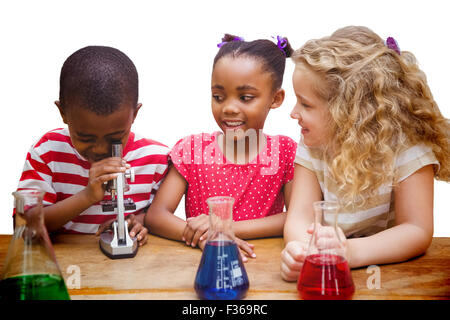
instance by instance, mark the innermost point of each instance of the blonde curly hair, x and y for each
(379, 102)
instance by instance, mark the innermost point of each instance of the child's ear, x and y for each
(136, 110)
(278, 99)
(61, 111)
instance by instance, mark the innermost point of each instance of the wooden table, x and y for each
(164, 269)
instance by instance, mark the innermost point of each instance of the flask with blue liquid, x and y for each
(221, 274)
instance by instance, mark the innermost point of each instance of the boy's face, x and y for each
(92, 135)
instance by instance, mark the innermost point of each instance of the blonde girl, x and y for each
(373, 139)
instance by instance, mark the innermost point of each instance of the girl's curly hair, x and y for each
(379, 103)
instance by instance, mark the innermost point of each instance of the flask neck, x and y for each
(28, 208)
(220, 218)
(325, 215)
(326, 238)
(30, 251)
(220, 229)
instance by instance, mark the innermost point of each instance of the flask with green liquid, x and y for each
(30, 270)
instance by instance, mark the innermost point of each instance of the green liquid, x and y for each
(34, 287)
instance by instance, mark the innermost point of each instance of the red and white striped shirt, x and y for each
(54, 165)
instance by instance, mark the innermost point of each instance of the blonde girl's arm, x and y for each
(160, 218)
(413, 232)
(300, 216)
(305, 191)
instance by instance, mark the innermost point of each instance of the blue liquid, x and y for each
(221, 274)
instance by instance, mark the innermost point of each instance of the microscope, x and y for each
(117, 243)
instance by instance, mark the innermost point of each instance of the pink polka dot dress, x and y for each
(257, 186)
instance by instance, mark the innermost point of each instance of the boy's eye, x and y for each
(114, 140)
(306, 105)
(86, 140)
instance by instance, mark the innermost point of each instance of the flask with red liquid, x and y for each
(325, 273)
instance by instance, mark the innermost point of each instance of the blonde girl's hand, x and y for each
(327, 240)
(196, 230)
(292, 258)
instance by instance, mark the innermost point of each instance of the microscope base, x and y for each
(111, 247)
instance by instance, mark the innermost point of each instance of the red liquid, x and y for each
(325, 277)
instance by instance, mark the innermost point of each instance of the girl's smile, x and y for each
(232, 124)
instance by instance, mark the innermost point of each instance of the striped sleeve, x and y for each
(149, 159)
(413, 159)
(303, 157)
(161, 171)
(36, 174)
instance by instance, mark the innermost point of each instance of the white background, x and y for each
(172, 44)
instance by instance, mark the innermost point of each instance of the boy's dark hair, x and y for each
(272, 57)
(99, 79)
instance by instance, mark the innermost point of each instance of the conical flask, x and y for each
(221, 274)
(325, 273)
(30, 270)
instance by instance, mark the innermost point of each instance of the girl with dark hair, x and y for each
(240, 160)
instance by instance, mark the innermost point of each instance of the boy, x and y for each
(98, 103)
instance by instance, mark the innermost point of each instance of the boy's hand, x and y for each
(135, 228)
(101, 172)
(244, 246)
(196, 229)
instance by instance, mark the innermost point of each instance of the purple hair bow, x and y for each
(281, 43)
(392, 44)
(234, 39)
